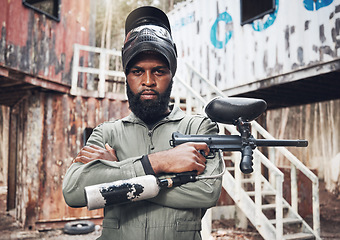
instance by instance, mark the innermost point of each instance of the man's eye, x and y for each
(160, 71)
(136, 72)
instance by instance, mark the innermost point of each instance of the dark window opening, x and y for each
(51, 8)
(87, 133)
(252, 10)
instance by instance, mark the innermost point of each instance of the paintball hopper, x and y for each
(229, 110)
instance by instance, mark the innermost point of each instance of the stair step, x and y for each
(286, 221)
(272, 206)
(228, 158)
(296, 236)
(247, 180)
(263, 193)
(230, 169)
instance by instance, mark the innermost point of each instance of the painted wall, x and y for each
(300, 34)
(4, 133)
(32, 43)
(46, 134)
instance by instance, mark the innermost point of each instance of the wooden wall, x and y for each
(319, 123)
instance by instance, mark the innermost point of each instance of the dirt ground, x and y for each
(223, 230)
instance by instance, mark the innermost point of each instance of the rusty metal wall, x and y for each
(4, 133)
(298, 40)
(49, 135)
(32, 43)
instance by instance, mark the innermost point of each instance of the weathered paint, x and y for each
(48, 135)
(291, 44)
(39, 46)
(42, 130)
(4, 134)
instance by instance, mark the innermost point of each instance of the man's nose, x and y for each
(148, 79)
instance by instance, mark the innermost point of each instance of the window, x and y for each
(51, 8)
(255, 9)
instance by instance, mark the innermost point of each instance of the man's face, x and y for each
(149, 83)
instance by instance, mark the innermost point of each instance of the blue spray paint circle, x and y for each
(225, 17)
(312, 5)
(260, 25)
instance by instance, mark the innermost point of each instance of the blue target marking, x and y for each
(312, 5)
(225, 17)
(261, 24)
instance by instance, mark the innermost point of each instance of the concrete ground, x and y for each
(329, 216)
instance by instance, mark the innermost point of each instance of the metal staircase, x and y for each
(260, 199)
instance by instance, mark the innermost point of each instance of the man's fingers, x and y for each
(200, 168)
(202, 148)
(110, 149)
(92, 148)
(82, 159)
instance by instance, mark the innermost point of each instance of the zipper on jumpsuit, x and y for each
(152, 147)
(150, 131)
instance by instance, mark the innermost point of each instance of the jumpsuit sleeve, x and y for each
(80, 175)
(200, 194)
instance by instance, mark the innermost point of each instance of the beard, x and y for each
(149, 111)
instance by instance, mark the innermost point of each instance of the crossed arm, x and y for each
(185, 157)
(95, 164)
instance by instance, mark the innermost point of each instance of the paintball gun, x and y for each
(237, 111)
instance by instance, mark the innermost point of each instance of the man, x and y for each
(139, 144)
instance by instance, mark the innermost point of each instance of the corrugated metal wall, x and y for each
(295, 38)
(47, 131)
(42, 129)
(34, 44)
(4, 133)
(300, 39)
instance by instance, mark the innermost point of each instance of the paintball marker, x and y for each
(239, 112)
(236, 111)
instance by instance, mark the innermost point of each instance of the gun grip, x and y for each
(246, 164)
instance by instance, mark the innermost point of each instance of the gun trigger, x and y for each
(203, 153)
(211, 155)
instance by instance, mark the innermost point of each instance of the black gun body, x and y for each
(233, 142)
(281, 143)
(215, 142)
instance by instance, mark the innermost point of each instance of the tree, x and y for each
(111, 15)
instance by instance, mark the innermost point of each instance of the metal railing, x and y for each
(275, 173)
(100, 71)
(195, 102)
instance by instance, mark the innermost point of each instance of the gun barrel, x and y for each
(281, 143)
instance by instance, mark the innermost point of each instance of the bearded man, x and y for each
(138, 144)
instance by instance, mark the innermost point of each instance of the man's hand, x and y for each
(183, 158)
(93, 152)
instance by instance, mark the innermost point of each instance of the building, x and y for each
(43, 126)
